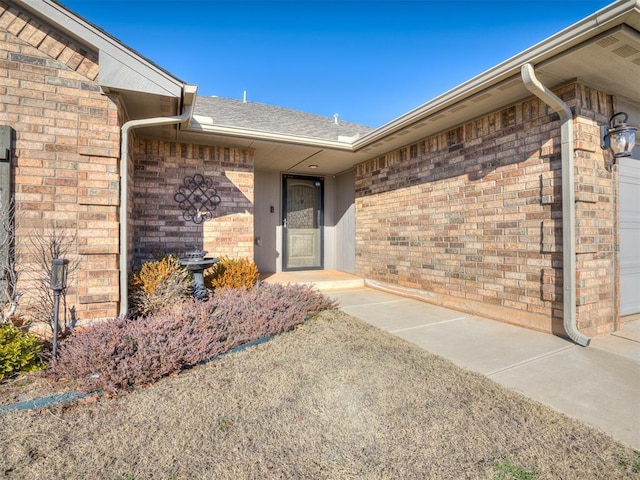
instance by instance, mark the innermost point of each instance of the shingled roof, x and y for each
(228, 112)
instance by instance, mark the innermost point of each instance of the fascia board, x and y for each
(604, 19)
(118, 63)
(204, 124)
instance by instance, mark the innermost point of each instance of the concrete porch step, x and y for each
(323, 280)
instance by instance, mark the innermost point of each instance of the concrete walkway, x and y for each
(599, 385)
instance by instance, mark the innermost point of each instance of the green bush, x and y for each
(232, 273)
(19, 352)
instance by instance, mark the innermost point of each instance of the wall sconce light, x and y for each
(58, 284)
(619, 137)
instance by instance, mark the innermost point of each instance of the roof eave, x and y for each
(202, 124)
(602, 20)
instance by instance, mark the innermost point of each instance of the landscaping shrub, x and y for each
(19, 352)
(124, 353)
(159, 283)
(232, 273)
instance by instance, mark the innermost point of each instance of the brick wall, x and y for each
(159, 225)
(597, 303)
(65, 161)
(477, 220)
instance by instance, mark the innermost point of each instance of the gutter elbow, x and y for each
(188, 100)
(568, 202)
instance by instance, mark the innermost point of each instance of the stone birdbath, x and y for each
(197, 263)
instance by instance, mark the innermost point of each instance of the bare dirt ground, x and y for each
(334, 399)
(31, 387)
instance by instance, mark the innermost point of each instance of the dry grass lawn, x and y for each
(334, 399)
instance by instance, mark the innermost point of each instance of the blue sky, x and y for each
(369, 61)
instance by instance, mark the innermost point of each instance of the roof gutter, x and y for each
(568, 202)
(571, 36)
(202, 124)
(188, 101)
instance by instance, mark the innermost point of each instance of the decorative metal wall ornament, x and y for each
(197, 197)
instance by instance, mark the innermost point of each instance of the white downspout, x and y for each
(190, 92)
(568, 202)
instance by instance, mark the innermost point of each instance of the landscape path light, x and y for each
(58, 284)
(619, 137)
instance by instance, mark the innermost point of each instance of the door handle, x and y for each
(284, 223)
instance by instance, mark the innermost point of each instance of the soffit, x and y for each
(145, 105)
(280, 156)
(609, 62)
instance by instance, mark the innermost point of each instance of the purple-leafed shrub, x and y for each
(122, 353)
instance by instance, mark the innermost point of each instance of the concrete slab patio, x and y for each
(599, 385)
(325, 280)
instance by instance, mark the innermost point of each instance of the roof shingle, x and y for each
(260, 117)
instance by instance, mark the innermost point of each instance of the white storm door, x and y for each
(302, 223)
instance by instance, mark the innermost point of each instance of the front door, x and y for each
(302, 224)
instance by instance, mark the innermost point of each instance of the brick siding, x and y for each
(597, 235)
(478, 214)
(473, 216)
(158, 222)
(66, 156)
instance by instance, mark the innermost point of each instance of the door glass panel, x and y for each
(303, 223)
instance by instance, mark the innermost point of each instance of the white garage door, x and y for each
(629, 235)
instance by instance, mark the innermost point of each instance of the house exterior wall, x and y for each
(330, 241)
(65, 161)
(472, 217)
(159, 227)
(268, 191)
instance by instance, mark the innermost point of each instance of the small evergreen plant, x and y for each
(19, 352)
